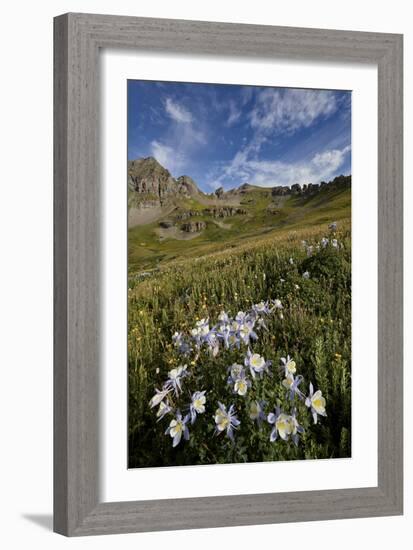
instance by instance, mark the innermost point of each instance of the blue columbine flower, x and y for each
(271, 419)
(223, 318)
(288, 365)
(256, 412)
(197, 405)
(235, 371)
(283, 425)
(261, 308)
(210, 338)
(159, 396)
(200, 332)
(177, 338)
(316, 402)
(297, 429)
(241, 384)
(276, 304)
(246, 332)
(163, 410)
(291, 384)
(175, 377)
(178, 428)
(196, 335)
(241, 317)
(234, 325)
(180, 343)
(203, 327)
(226, 420)
(256, 363)
(229, 337)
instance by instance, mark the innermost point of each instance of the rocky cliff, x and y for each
(153, 183)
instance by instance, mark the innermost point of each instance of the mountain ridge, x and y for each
(153, 183)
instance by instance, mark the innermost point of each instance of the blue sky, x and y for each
(225, 135)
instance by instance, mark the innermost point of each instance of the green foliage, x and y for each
(315, 330)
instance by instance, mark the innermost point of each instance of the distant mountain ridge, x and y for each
(150, 184)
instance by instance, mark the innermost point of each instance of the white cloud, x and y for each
(177, 112)
(214, 185)
(167, 156)
(331, 158)
(177, 146)
(283, 112)
(321, 167)
(182, 138)
(234, 113)
(289, 110)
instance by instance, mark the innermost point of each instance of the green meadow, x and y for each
(233, 264)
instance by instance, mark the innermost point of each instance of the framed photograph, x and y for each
(228, 274)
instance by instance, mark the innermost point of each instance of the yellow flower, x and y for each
(221, 420)
(284, 425)
(318, 403)
(291, 367)
(256, 361)
(288, 381)
(176, 427)
(241, 386)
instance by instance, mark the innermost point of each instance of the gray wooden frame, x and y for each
(78, 39)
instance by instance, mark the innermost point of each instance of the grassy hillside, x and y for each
(314, 329)
(266, 215)
(179, 279)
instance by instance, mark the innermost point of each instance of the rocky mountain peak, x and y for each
(187, 185)
(148, 178)
(148, 166)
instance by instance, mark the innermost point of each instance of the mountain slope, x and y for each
(153, 193)
(192, 228)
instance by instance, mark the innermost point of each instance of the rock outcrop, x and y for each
(215, 212)
(153, 182)
(280, 190)
(193, 226)
(224, 211)
(166, 224)
(187, 186)
(186, 214)
(339, 182)
(219, 192)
